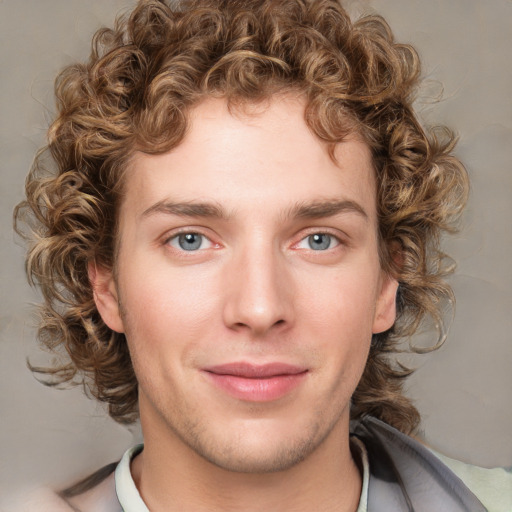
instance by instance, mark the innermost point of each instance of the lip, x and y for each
(256, 383)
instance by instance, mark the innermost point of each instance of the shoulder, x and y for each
(493, 487)
(101, 498)
(404, 471)
(36, 499)
(94, 494)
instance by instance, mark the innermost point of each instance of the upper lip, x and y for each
(256, 371)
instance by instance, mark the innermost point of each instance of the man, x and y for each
(244, 221)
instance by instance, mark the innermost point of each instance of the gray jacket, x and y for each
(406, 476)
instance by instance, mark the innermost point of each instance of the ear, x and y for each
(105, 295)
(385, 310)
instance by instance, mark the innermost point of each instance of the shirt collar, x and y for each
(131, 501)
(126, 490)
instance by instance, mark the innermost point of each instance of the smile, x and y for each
(256, 383)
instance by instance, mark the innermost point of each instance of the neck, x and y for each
(172, 477)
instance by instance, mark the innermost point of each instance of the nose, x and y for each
(258, 292)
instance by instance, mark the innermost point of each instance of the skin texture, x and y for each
(256, 292)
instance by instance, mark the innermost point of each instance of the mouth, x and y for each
(256, 383)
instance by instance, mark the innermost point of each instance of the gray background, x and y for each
(463, 390)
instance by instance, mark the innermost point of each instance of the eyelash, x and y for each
(176, 238)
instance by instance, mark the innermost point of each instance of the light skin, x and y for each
(248, 246)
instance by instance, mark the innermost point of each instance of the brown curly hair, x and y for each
(134, 94)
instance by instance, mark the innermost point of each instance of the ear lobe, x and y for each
(385, 310)
(105, 295)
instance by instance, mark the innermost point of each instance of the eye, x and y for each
(190, 242)
(318, 242)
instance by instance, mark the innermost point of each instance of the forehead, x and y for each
(258, 154)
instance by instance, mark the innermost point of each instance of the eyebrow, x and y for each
(186, 209)
(327, 208)
(313, 210)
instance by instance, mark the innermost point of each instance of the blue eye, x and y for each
(318, 242)
(190, 242)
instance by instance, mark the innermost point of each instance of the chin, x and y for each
(265, 460)
(262, 451)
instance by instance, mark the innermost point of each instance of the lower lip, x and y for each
(259, 389)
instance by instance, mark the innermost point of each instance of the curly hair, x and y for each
(135, 93)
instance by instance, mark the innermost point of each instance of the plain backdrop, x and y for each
(463, 390)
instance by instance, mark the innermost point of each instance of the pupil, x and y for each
(319, 241)
(190, 241)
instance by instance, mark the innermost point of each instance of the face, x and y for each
(250, 285)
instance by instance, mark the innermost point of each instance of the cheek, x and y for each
(170, 292)
(342, 298)
(167, 312)
(340, 320)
